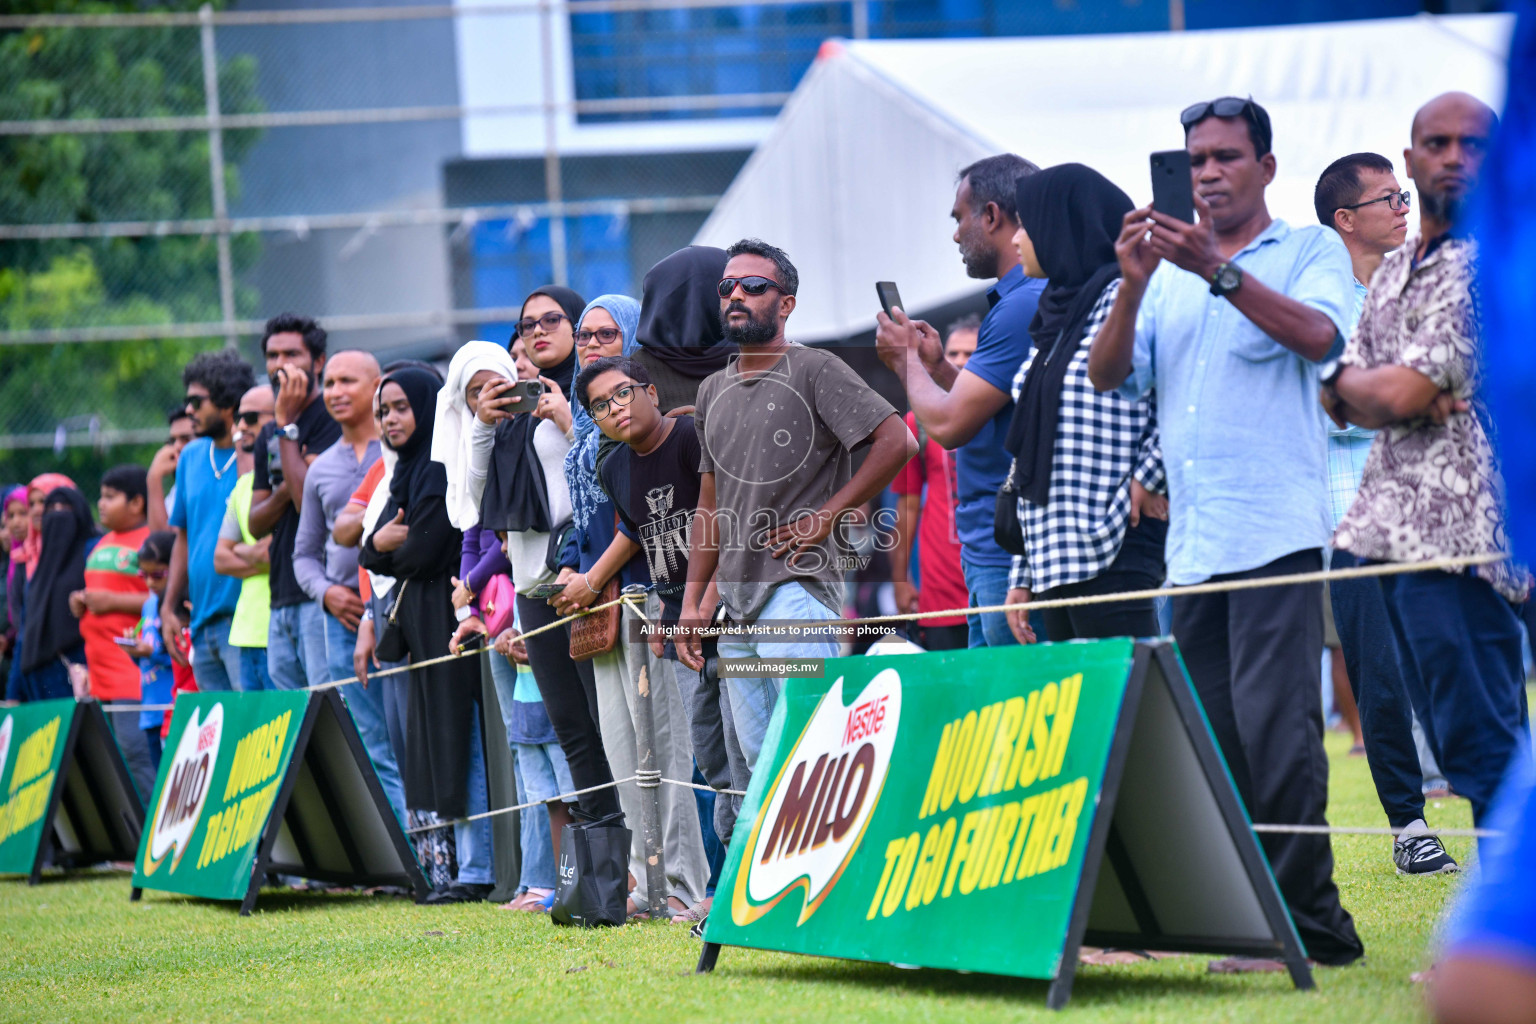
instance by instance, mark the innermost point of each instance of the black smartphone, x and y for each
(890, 298)
(1173, 189)
(545, 591)
(522, 396)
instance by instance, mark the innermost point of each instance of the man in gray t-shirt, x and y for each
(777, 428)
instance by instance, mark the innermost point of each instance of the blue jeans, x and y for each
(753, 699)
(472, 840)
(215, 661)
(988, 585)
(296, 647)
(541, 772)
(367, 706)
(253, 669)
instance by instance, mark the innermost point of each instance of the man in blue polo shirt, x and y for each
(967, 410)
(1231, 330)
(206, 473)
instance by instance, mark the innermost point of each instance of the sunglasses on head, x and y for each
(1228, 106)
(606, 335)
(753, 285)
(549, 321)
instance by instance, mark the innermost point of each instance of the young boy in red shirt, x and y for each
(109, 608)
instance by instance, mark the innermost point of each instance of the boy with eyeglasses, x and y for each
(241, 555)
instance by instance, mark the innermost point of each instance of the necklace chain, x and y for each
(218, 474)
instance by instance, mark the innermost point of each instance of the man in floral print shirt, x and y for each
(1431, 487)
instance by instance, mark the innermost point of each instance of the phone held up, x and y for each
(1173, 190)
(520, 397)
(890, 298)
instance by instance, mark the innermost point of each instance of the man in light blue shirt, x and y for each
(1230, 331)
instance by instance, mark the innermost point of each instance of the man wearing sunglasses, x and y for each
(240, 554)
(1431, 486)
(967, 410)
(777, 428)
(205, 477)
(1229, 319)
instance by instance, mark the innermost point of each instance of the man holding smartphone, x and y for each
(1231, 330)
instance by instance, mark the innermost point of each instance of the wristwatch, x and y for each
(1227, 279)
(1328, 373)
(291, 431)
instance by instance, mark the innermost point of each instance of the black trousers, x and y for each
(1101, 621)
(571, 703)
(1254, 657)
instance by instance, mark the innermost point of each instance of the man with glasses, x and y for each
(241, 555)
(206, 474)
(1360, 198)
(301, 429)
(967, 410)
(1431, 487)
(777, 428)
(1231, 329)
(164, 465)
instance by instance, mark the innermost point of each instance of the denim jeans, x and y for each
(472, 840)
(367, 706)
(296, 647)
(253, 669)
(215, 662)
(988, 585)
(753, 699)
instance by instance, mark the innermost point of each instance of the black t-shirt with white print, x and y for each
(656, 495)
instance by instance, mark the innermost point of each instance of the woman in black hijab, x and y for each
(681, 338)
(527, 501)
(1088, 465)
(51, 640)
(444, 766)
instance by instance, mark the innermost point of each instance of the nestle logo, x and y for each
(864, 720)
(206, 736)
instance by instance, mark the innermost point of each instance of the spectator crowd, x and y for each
(1147, 401)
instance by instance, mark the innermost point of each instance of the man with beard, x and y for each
(1431, 486)
(1231, 330)
(205, 478)
(241, 555)
(301, 429)
(777, 428)
(967, 410)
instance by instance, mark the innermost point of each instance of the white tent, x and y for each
(856, 179)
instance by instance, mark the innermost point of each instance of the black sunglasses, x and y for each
(607, 335)
(249, 419)
(1229, 106)
(1396, 200)
(549, 321)
(194, 402)
(753, 285)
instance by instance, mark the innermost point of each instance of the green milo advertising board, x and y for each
(224, 762)
(925, 809)
(32, 742)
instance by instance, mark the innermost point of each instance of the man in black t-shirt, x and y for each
(653, 479)
(294, 347)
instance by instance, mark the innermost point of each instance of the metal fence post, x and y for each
(648, 776)
(553, 192)
(861, 19)
(216, 173)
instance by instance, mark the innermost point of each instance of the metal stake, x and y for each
(648, 778)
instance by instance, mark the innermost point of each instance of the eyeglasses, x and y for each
(1396, 200)
(153, 574)
(549, 321)
(250, 419)
(603, 406)
(194, 402)
(753, 285)
(607, 335)
(1230, 106)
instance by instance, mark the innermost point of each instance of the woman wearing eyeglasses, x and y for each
(517, 471)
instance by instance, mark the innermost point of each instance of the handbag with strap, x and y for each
(598, 632)
(390, 644)
(1005, 517)
(498, 605)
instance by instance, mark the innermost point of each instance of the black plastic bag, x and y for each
(593, 886)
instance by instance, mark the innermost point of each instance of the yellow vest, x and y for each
(248, 628)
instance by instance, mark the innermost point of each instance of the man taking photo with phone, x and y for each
(1229, 319)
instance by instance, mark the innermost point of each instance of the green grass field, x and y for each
(76, 949)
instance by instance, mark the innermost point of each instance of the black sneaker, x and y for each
(1421, 854)
(460, 892)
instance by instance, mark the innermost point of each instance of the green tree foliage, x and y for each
(107, 72)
